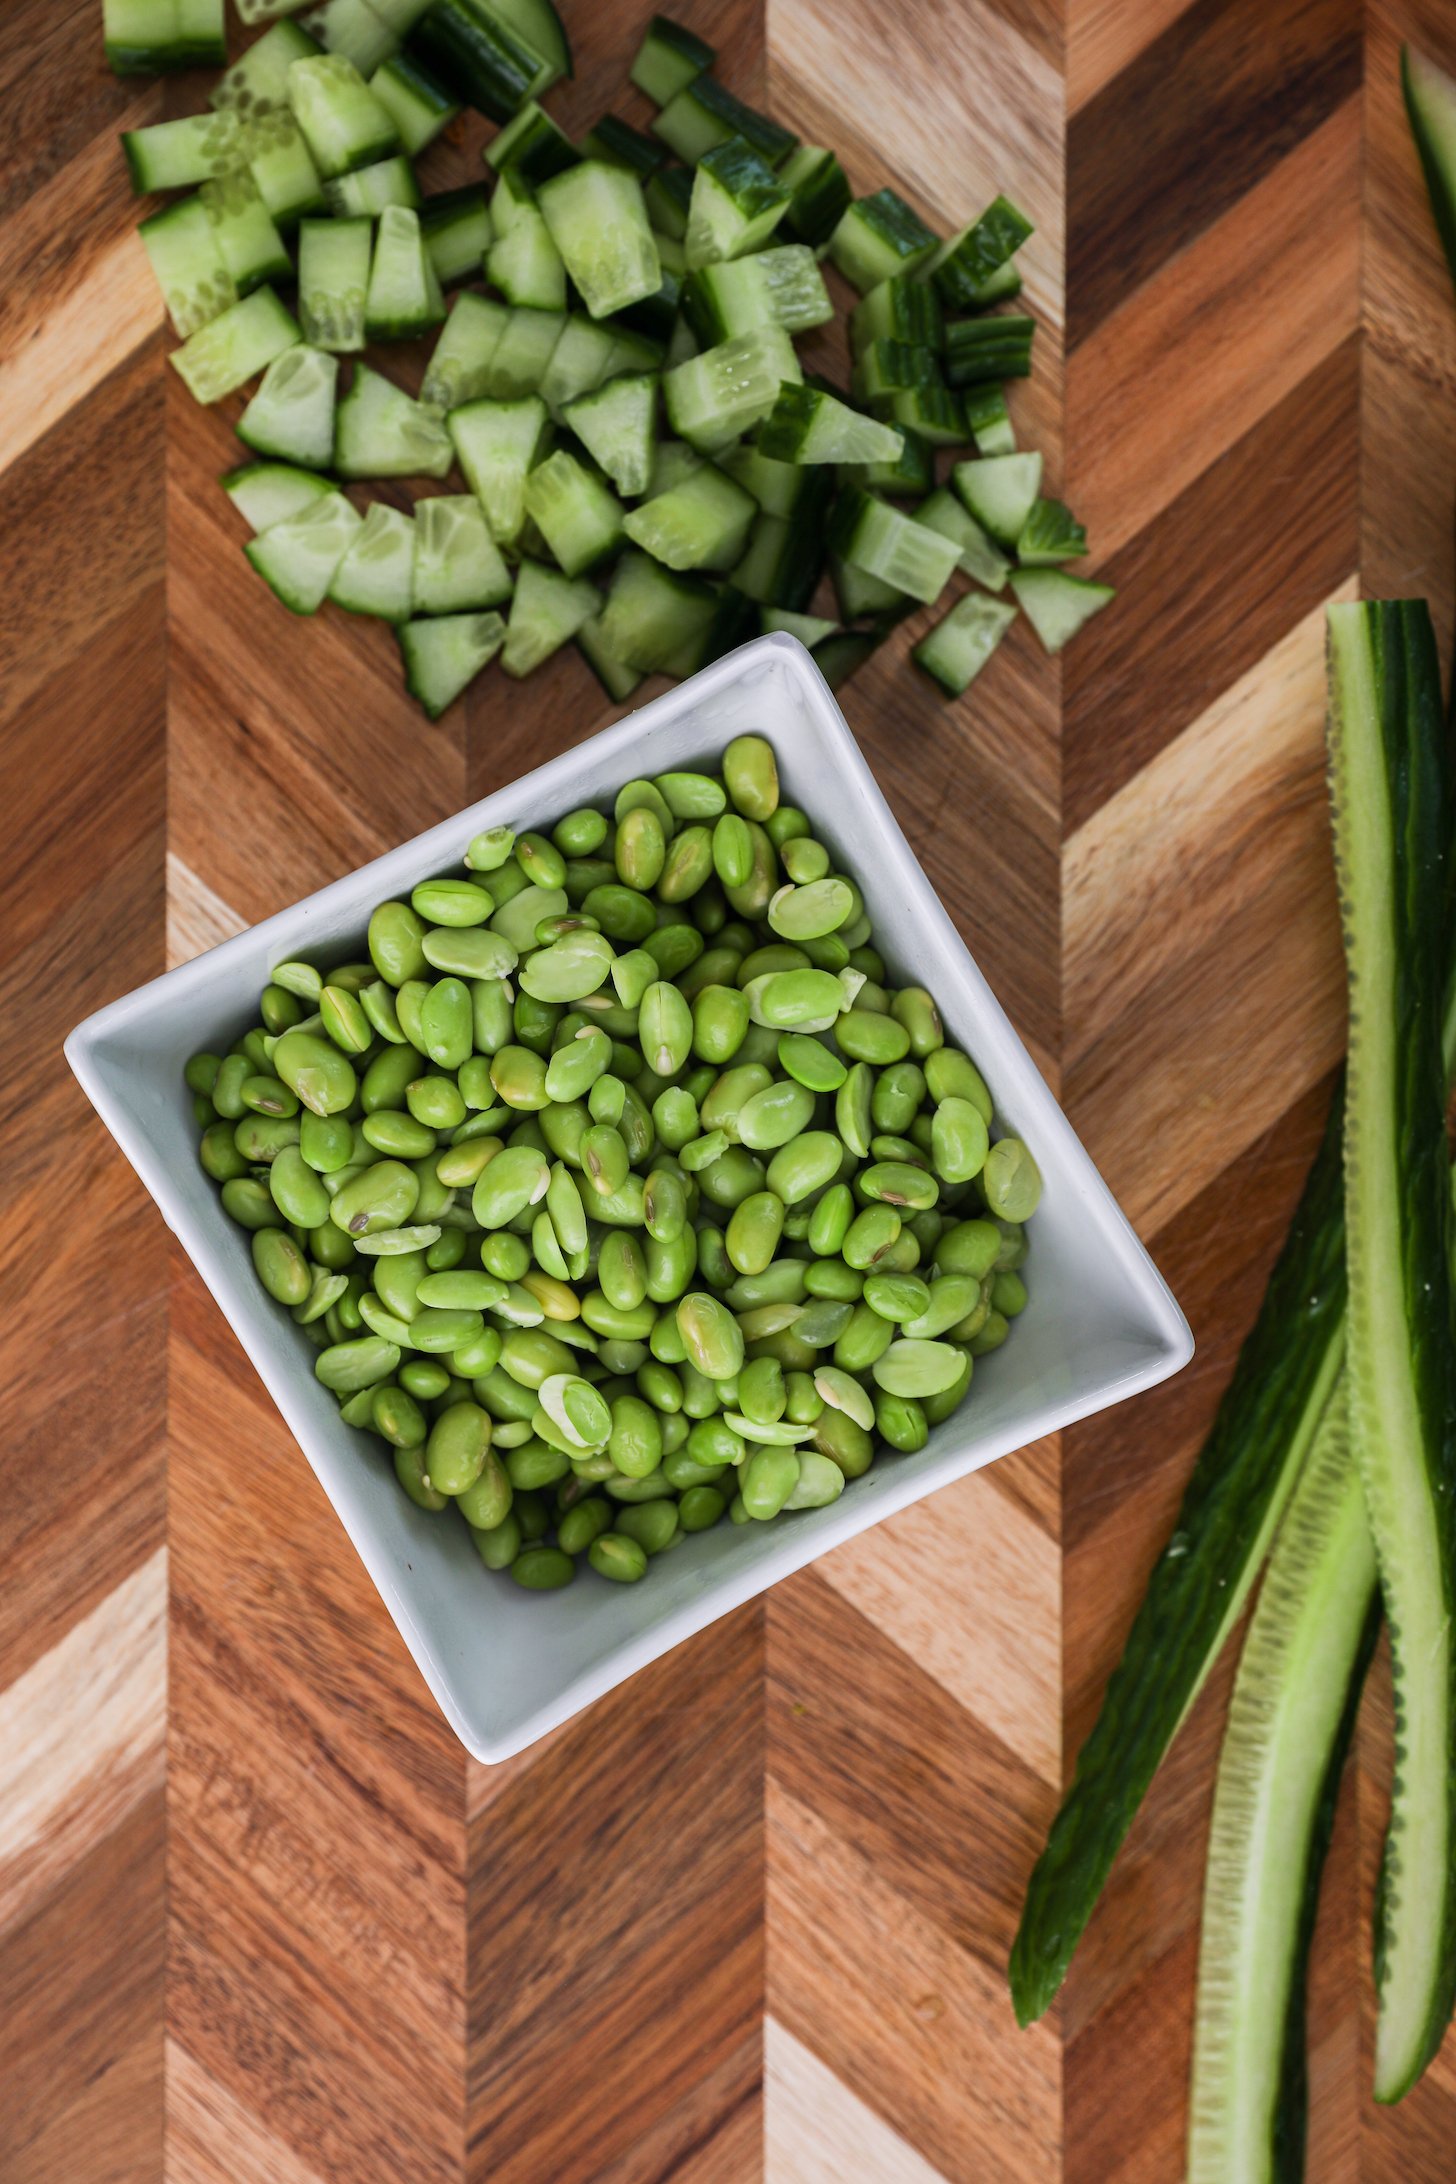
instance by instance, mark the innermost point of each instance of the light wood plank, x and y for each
(819, 2131)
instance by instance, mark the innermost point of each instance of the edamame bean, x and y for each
(613, 1555)
(1011, 1180)
(767, 1480)
(751, 776)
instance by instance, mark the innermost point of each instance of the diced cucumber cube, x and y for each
(298, 558)
(376, 575)
(343, 124)
(291, 416)
(737, 202)
(806, 425)
(1000, 491)
(577, 514)
(369, 190)
(174, 155)
(598, 222)
(701, 523)
(714, 397)
(614, 423)
(889, 545)
(497, 443)
(808, 628)
(615, 676)
(333, 281)
(443, 655)
(457, 229)
(879, 237)
(416, 101)
(981, 557)
(182, 249)
(652, 612)
(955, 651)
(221, 356)
(459, 364)
(268, 493)
(457, 563)
(1051, 533)
(1057, 604)
(405, 298)
(547, 611)
(669, 59)
(352, 28)
(962, 267)
(382, 432)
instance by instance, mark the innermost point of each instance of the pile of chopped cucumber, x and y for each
(627, 450)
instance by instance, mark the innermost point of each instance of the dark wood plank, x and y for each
(1211, 105)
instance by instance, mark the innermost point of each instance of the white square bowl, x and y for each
(506, 1665)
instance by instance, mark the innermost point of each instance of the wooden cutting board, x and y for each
(261, 1922)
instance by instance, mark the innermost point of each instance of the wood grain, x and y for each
(747, 1919)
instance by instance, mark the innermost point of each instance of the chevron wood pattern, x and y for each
(260, 1920)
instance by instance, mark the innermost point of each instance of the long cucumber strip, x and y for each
(1289, 1723)
(1391, 807)
(1198, 1587)
(1430, 100)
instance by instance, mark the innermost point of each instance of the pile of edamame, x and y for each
(617, 1190)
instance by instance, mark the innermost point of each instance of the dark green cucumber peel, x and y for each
(1240, 1484)
(1391, 798)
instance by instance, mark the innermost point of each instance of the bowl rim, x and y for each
(1169, 1341)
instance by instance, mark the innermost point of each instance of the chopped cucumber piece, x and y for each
(416, 102)
(880, 540)
(821, 196)
(779, 287)
(884, 369)
(634, 353)
(523, 261)
(404, 296)
(779, 488)
(268, 493)
(879, 237)
(400, 16)
(1392, 811)
(982, 349)
(614, 423)
(351, 28)
(736, 204)
(576, 513)
(497, 444)
(961, 268)
(669, 59)
(844, 654)
(547, 611)
(732, 622)
(333, 281)
(623, 146)
(806, 425)
(279, 161)
(935, 413)
(368, 191)
(248, 242)
(598, 222)
(727, 390)
(152, 37)
(580, 361)
(182, 248)
(479, 58)
(616, 678)
(258, 81)
(518, 363)
(1430, 100)
(781, 562)
(532, 145)
(988, 420)
(808, 628)
(442, 656)
(343, 124)
(297, 559)
(899, 309)
(291, 416)
(382, 432)
(672, 461)
(981, 557)
(457, 229)
(1050, 534)
(376, 575)
(912, 472)
(668, 194)
(459, 366)
(174, 155)
(242, 340)
(701, 523)
(1289, 1722)
(652, 613)
(703, 114)
(955, 651)
(1056, 604)
(541, 31)
(1000, 491)
(860, 594)
(457, 563)
(997, 287)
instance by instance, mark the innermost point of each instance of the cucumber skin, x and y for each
(1291, 2119)
(1239, 1478)
(1414, 757)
